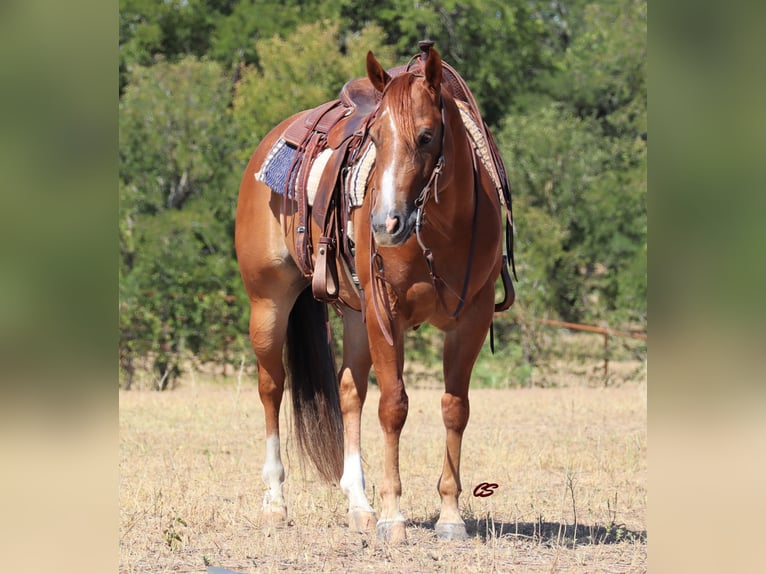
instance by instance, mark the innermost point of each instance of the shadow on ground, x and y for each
(543, 532)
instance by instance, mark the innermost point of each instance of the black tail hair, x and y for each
(313, 383)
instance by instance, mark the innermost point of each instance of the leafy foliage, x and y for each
(178, 274)
(577, 159)
(299, 72)
(565, 182)
(179, 295)
(175, 134)
(236, 37)
(497, 46)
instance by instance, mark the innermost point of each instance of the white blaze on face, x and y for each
(387, 195)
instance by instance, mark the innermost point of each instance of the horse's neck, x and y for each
(456, 189)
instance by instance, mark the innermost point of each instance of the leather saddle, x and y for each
(338, 119)
(337, 128)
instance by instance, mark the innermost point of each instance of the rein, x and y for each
(420, 203)
(380, 293)
(436, 280)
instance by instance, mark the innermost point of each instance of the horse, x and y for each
(428, 247)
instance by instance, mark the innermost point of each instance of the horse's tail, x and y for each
(313, 383)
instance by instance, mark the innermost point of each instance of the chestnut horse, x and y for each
(428, 248)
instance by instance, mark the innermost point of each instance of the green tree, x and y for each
(569, 179)
(578, 154)
(552, 158)
(235, 38)
(178, 298)
(497, 46)
(178, 178)
(299, 72)
(152, 31)
(602, 71)
(175, 134)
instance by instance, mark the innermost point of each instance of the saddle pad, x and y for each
(356, 184)
(315, 174)
(276, 167)
(480, 147)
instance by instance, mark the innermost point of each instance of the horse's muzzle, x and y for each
(393, 228)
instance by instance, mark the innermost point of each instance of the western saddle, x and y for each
(338, 129)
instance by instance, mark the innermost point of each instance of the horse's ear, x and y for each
(433, 68)
(375, 72)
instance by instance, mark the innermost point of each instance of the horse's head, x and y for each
(408, 135)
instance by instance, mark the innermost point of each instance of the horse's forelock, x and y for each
(399, 101)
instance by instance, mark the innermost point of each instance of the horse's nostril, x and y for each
(392, 224)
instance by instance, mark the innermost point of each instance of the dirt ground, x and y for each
(570, 464)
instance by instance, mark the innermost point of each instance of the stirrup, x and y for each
(324, 283)
(509, 293)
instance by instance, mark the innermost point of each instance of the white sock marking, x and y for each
(273, 472)
(352, 483)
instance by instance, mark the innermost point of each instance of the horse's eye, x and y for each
(425, 137)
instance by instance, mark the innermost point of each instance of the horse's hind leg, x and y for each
(353, 391)
(268, 328)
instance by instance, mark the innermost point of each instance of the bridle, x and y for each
(377, 275)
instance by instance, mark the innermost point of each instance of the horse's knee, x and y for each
(352, 393)
(270, 388)
(392, 410)
(455, 412)
(271, 398)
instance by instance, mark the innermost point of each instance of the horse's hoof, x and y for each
(451, 531)
(361, 521)
(392, 531)
(274, 515)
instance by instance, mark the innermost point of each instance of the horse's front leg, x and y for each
(392, 412)
(461, 348)
(353, 391)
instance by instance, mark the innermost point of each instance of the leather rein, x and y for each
(377, 274)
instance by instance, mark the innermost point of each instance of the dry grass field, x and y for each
(570, 464)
